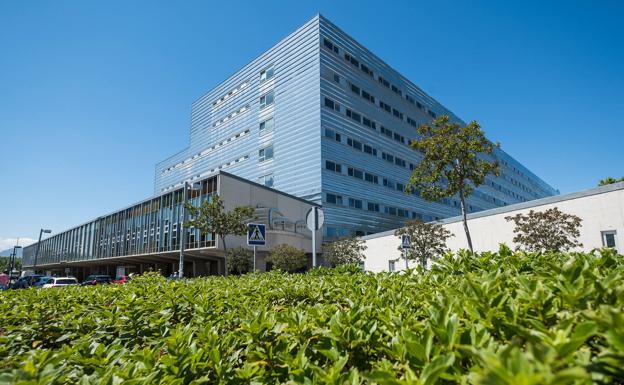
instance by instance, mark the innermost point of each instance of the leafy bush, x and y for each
(287, 258)
(492, 318)
(345, 251)
(239, 260)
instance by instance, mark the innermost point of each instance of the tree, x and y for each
(288, 258)
(427, 240)
(239, 261)
(454, 162)
(211, 217)
(610, 180)
(544, 231)
(344, 251)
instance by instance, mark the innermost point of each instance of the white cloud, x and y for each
(8, 243)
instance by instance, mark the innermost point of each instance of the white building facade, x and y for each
(601, 210)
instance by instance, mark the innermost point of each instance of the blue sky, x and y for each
(94, 94)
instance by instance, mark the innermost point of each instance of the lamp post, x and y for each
(187, 188)
(38, 246)
(14, 255)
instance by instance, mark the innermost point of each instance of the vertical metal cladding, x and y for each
(282, 85)
(323, 118)
(369, 114)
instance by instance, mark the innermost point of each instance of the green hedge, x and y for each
(495, 318)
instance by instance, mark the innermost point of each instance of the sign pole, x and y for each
(314, 246)
(254, 269)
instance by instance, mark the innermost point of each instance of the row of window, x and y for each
(355, 203)
(231, 116)
(383, 81)
(231, 93)
(368, 149)
(371, 98)
(222, 166)
(207, 151)
(363, 120)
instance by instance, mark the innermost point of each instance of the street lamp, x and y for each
(38, 246)
(187, 187)
(14, 255)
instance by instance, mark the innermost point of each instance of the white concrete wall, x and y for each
(601, 209)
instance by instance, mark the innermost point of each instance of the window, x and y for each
(266, 74)
(387, 157)
(397, 113)
(332, 135)
(354, 115)
(266, 180)
(399, 138)
(609, 239)
(370, 150)
(400, 186)
(412, 122)
(386, 131)
(355, 203)
(355, 144)
(337, 78)
(355, 89)
(354, 172)
(383, 81)
(385, 107)
(368, 96)
(409, 99)
(351, 60)
(391, 267)
(373, 207)
(267, 99)
(399, 162)
(266, 126)
(329, 45)
(389, 183)
(369, 123)
(331, 104)
(265, 153)
(334, 199)
(371, 178)
(366, 70)
(396, 90)
(432, 114)
(332, 166)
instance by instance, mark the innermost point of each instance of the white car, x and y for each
(60, 282)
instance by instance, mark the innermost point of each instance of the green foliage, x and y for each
(5, 264)
(609, 180)
(428, 240)
(239, 260)
(549, 230)
(288, 258)
(211, 217)
(455, 161)
(491, 318)
(344, 251)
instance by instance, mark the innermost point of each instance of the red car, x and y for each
(121, 280)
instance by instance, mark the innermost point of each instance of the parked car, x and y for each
(40, 280)
(21, 283)
(123, 279)
(34, 278)
(60, 282)
(96, 280)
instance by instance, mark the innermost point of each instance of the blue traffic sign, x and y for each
(256, 234)
(406, 241)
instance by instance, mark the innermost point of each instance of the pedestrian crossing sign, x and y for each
(256, 234)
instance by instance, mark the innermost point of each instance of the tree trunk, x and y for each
(224, 255)
(463, 209)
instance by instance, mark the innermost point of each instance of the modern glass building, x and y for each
(321, 117)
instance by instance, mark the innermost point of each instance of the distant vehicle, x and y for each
(96, 280)
(39, 281)
(34, 278)
(60, 282)
(21, 283)
(122, 279)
